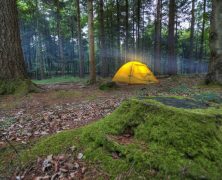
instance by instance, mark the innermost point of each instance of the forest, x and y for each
(110, 89)
(55, 42)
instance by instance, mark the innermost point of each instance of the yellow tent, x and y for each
(134, 73)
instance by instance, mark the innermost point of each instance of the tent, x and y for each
(134, 73)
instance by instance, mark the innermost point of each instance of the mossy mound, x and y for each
(108, 86)
(147, 139)
(17, 87)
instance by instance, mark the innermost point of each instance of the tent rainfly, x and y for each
(134, 73)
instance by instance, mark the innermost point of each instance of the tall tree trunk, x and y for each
(215, 67)
(81, 59)
(91, 42)
(60, 40)
(118, 58)
(104, 68)
(192, 29)
(203, 30)
(172, 64)
(157, 50)
(191, 46)
(13, 74)
(138, 13)
(127, 28)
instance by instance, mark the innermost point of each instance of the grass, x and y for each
(167, 142)
(62, 79)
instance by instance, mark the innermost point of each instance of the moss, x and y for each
(108, 86)
(17, 87)
(168, 142)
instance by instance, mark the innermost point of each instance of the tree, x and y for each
(157, 46)
(127, 28)
(215, 67)
(91, 42)
(13, 76)
(60, 36)
(172, 64)
(81, 63)
(104, 68)
(192, 29)
(203, 30)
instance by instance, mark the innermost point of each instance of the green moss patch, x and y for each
(17, 87)
(160, 142)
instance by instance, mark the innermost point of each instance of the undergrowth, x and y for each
(62, 79)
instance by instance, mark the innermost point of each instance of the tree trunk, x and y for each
(157, 50)
(60, 40)
(81, 60)
(104, 68)
(127, 29)
(191, 46)
(215, 66)
(13, 76)
(91, 42)
(203, 31)
(172, 64)
(118, 58)
(192, 29)
(138, 27)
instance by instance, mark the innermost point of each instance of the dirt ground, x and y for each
(66, 106)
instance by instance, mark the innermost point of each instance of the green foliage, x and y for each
(208, 97)
(6, 123)
(61, 79)
(167, 142)
(181, 89)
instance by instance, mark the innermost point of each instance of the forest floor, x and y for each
(68, 105)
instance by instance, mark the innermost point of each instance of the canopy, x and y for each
(134, 73)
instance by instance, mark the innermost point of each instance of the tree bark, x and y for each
(13, 76)
(102, 47)
(91, 42)
(60, 40)
(127, 29)
(192, 29)
(215, 66)
(203, 31)
(11, 57)
(172, 64)
(157, 50)
(138, 14)
(118, 58)
(191, 46)
(81, 60)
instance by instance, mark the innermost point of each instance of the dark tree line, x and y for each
(170, 36)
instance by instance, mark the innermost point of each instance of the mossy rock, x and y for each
(18, 87)
(163, 142)
(108, 86)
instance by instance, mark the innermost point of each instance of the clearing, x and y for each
(28, 122)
